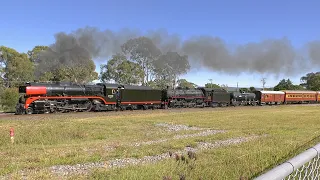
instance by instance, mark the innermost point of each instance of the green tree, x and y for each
(183, 83)
(307, 80)
(211, 85)
(168, 67)
(313, 82)
(9, 98)
(252, 89)
(77, 74)
(283, 85)
(159, 84)
(244, 90)
(62, 66)
(34, 54)
(298, 87)
(142, 51)
(286, 85)
(121, 70)
(15, 67)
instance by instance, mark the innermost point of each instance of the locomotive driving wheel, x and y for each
(88, 106)
(46, 111)
(29, 110)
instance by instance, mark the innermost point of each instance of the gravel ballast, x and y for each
(178, 127)
(118, 163)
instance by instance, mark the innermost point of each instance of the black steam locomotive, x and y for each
(65, 97)
(198, 97)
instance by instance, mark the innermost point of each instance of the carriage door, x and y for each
(263, 97)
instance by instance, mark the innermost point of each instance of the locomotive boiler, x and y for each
(183, 97)
(53, 97)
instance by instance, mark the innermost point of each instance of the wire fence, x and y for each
(303, 166)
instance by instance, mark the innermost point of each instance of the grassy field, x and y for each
(44, 141)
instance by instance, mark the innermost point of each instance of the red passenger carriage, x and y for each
(270, 97)
(300, 96)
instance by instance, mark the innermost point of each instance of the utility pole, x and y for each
(237, 87)
(263, 80)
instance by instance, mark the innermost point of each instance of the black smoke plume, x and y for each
(271, 56)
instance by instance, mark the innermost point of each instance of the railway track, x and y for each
(128, 112)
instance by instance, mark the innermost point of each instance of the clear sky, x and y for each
(25, 24)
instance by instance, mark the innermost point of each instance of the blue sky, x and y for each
(34, 22)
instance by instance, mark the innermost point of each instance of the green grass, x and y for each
(45, 140)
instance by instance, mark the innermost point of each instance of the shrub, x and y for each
(9, 98)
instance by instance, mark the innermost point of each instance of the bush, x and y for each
(8, 99)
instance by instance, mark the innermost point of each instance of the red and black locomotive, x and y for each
(66, 97)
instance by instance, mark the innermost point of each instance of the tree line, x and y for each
(140, 62)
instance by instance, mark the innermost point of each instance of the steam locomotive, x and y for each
(67, 97)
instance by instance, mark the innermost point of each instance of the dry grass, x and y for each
(44, 141)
